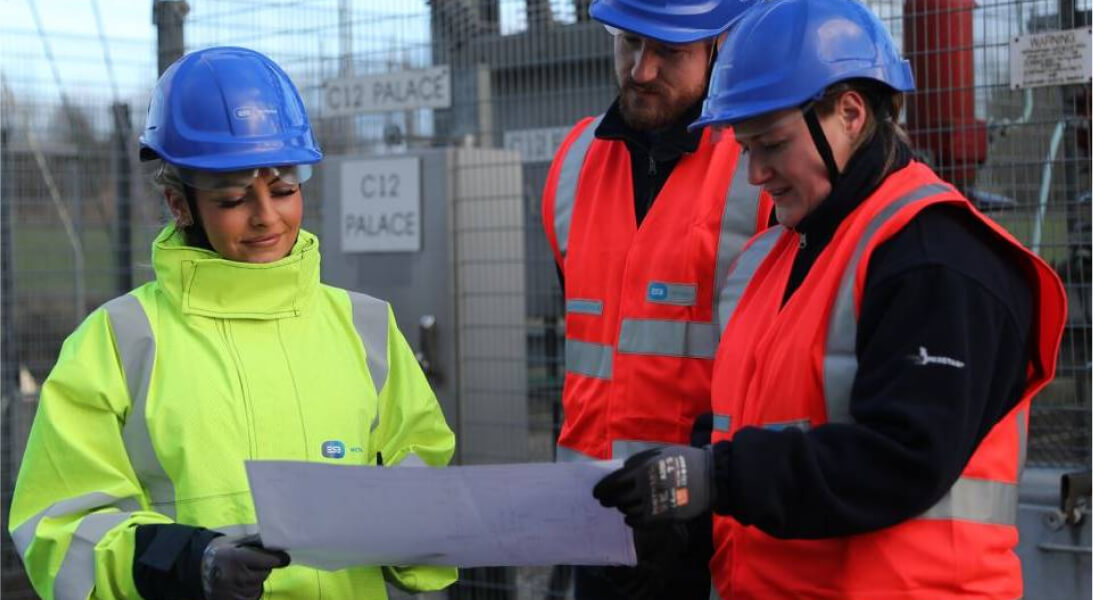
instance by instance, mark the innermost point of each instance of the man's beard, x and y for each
(652, 107)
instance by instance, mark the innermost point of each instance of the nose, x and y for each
(262, 209)
(758, 172)
(646, 65)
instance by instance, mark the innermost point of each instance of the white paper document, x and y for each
(332, 516)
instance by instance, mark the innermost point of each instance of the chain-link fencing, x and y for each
(78, 215)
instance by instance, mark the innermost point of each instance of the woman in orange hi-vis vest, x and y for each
(880, 349)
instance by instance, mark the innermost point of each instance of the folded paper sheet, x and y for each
(333, 516)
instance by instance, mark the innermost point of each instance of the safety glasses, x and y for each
(242, 179)
(763, 126)
(638, 43)
(613, 30)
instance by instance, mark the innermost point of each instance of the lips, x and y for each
(264, 241)
(644, 90)
(777, 192)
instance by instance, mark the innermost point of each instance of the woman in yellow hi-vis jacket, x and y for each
(133, 481)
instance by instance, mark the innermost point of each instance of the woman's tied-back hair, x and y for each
(884, 107)
(167, 178)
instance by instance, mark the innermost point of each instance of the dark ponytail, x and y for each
(884, 106)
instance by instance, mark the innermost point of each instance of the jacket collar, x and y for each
(201, 282)
(863, 174)
(668, 144)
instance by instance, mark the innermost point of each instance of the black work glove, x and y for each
(671, 483)
(234, 567)
(660, 551)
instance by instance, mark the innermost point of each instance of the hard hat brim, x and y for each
(654, 30)
(235, 162)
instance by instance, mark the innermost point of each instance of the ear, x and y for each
(720, 40)
(851, 108)
(180, 209)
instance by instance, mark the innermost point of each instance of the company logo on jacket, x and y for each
(333, 449)
(923, 358)
(658, 291)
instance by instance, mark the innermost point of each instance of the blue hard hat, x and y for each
(783, 53)
(225, 109)
(675, 22)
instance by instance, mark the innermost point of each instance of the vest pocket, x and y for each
(802, 424)
(584, 306)
(722, 423)
(679, 294)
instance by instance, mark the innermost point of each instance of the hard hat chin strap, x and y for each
(712, 62)
(822, 146)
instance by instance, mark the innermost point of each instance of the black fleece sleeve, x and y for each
(942, 349)
(167, 561)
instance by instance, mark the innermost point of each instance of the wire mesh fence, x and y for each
(78, 215)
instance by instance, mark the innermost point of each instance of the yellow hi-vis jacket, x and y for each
(160, 396)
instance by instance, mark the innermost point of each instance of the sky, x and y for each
(80, 56)
(84, 54)
(98, 59)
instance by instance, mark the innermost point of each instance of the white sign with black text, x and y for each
(1051, 58)
(381, 205)
(386, 92)
(535, 145)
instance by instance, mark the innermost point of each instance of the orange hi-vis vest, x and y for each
(640, 301)
(795, 365)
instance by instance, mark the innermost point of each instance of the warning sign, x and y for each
(1052, 58)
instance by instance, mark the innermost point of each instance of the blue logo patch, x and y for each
(333, 449)
(721, 422)
(658, 291)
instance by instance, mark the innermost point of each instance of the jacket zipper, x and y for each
(225, 330)
(651, 194)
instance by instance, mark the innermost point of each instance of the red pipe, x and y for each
(938, 40)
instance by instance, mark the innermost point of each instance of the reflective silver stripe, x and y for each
(411, 460)
(241, 529)
(741, 272)
(840, 358)
(76, 577)
(690, 339)
(969, 499)
(714, 594)
(370, 320)
(737, 224)
(136, 346)
(628, 448)
(1022, 441)
(23, 535)
(977, 500)
(565, 193)
(588, 359)
(563, 454)
(584, 307)
(802, 424)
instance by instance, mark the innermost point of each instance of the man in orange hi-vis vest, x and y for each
(644, 218)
